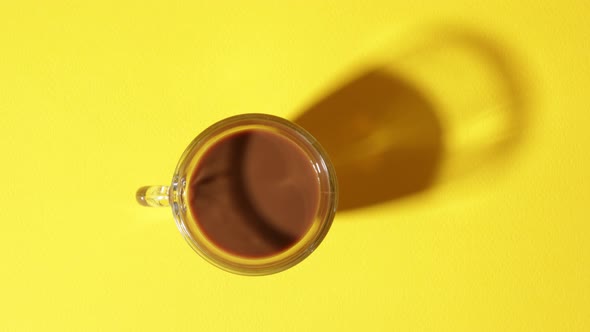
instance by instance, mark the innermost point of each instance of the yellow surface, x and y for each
(100, 97)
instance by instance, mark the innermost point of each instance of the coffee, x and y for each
(254, 193)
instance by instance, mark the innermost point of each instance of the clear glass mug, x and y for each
(176, 195)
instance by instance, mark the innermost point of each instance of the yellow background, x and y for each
(98, 98)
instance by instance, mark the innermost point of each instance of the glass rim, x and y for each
(234, 263)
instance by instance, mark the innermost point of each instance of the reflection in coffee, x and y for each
(254, 193)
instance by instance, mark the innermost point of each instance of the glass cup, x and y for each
(176, 195)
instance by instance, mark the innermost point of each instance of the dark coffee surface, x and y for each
(254, 193)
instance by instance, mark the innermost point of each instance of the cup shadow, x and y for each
(387, 135)
(382, 135)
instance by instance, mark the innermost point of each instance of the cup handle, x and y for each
(153, 196)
